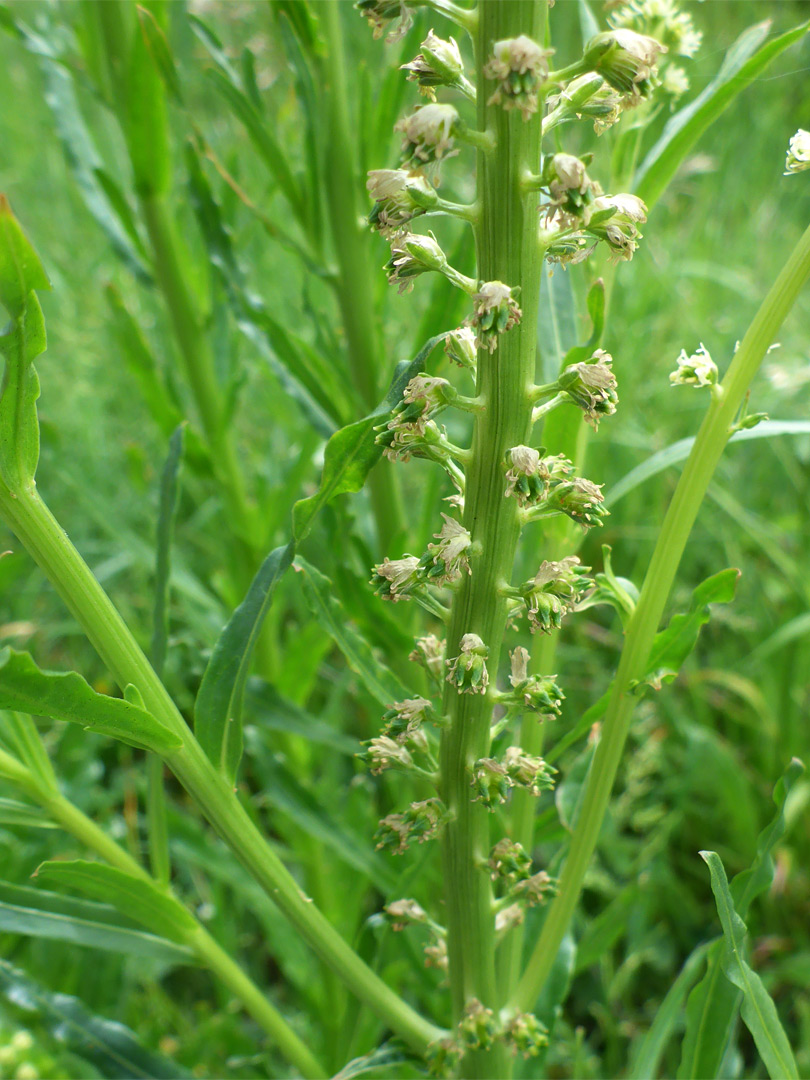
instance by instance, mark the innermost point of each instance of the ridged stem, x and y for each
(507, 251)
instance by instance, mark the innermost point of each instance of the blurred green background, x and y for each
(704, 753)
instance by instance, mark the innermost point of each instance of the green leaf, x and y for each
(24, 815)
(351, 453)
(218, 708)
(387, 1056)
(556, 323)
(37, 913)
(144, 119)
(19, 732)
(739, 69)
(137, 898)
(713, 1006)
(112, 1048)
(670, 648)
(66, 696)
(758, 1010)
(679, 451)
(21, 271)
(319, 592)
(649, 1050)
(160, 53)
(169, 486)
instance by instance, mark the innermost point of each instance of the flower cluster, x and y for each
(588, 95)
(468, 671)
(399, 196)
(492, 778)
(615, 220)
(553, 591)
(429, 651)
(495, 310)
(427, 134)
(798, 155)
(526, 1035)
(627, 61)
(537, 693)
(673, 28)
(571, 191)
(413, 254)
(395, 579)
(696, 370)
(445, 562)
(404, 913)
(422, 821)
(438, 63)
(579, 499)
(529, 474)
(519, 66)
(508, 861)
(405, 718)
(478, 1028)
(591, 385)
(379, 13)
(460, 347)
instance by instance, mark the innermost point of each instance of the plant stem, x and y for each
(354, 285)
(73, 821)
(47, 543)
(506, 241)
(706, 452)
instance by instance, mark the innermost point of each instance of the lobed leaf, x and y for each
(218, 708)
(66, 696)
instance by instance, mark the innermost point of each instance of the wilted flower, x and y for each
(384, 753)
(399, 196)
(395, 579)
(429, 652)
(519, 65)
(404, 718)
(450, 557)
(438, 64)
(422, 394)
(798, 155)
(379, 13)
(495, 311)
(468, 671)
(404, 912)
(413, 254)
(626, 60)
(591, 385)
(696, 370)
(460, 347)
(478, 1028)
(535, 889)
(428, 134)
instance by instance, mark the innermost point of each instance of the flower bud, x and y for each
(399, 196)
(427, 134)
(491, 782)
(395, 579)
(539, 693)
(509, 861)
(429, 652)
(696, 370)
(580, 500)
(591, 385)
(420, 822)
(626, 60)
(378, 13)
(613, 219)
(450, 557)
(495, 311)
(443, 1055)
(526, 1035)
(528, 771)
(413, 254)
(554, 590)
(404, 912)
(571, 190)
(798, 155)
(460, 347)
(478, 1029)
(588, 95)
(438, 64)
(404, 718)
(528, 473)
(468, 671)
(519, 66)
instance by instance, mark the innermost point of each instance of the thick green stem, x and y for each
(683, 509)
(354, 285)
(73, 821)
(48, 544)
(507, 251)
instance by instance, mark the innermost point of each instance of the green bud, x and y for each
(509, 861)
(478, 1029)
(626, 60)
(468, 671)
(438, 64)
(491, 782)
(526, 1035)
(519, 66)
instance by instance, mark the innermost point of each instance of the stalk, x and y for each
(680, 517)
(73, 821)
(507, 251)
(48, 544)
(354, 285)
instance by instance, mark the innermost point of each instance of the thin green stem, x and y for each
(706, 452)
(506, 241)
(48, 544)
(156, 818)
(354, 284)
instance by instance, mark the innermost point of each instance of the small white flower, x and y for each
(798, 155)
(696, 370)
(495, 311)
(394, 578)
(519, 65)
(428, 133)
(451, 554)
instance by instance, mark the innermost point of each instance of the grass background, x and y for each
(705, 752)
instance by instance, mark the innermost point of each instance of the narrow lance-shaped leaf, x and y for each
(757, 1009)
(713, 1005)
(670, 648)
(112, 1048)
(379, 680)
(351, 453)
(137, 898)
(739, 69)
(218, 708)
(66, 696)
